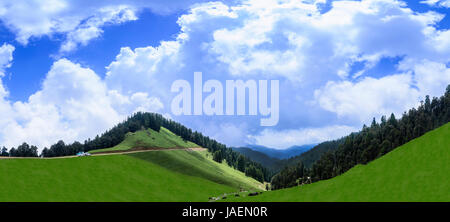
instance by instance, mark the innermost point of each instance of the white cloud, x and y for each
(292, 40)
(287, 138)
(233, 134)
(311, 53)
(441, 41)
(79, 21)
(138, 70)
(369, 97)
(437, 3)
(136, 102)
(430, 78)
(6, 51)
(6, 57)
(73, 104)
(372, 97)
(91, 28)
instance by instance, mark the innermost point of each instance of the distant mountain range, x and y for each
(271, 163)
(271, 158)
(282, 153)
(275, 159)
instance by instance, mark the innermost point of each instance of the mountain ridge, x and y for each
(281, 153)
(415, 171)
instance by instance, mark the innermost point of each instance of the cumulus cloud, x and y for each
(74, 103)
(91, 28)
(79, 21)
(294, 41)
(431, 78)
(143, 68)
(369, 97)
(6, 51)
(437, 3)
(313, 54)
(397, 93)
(233, 133)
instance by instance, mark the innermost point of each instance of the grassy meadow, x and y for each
(417, 171)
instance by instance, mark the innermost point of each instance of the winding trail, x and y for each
(114, 153)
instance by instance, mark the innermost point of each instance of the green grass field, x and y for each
(199, 164)
(175, 175)
(416, 171)
(149, 139)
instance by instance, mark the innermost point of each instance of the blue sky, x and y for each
(32, 61)
(76, 70)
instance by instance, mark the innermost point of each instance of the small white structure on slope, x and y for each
(83, 154)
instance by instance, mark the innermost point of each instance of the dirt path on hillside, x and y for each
(140, 150)
(134, 150)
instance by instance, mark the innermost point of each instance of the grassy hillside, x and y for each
(176, 175)
(199, 164)
(416, 171)
(149, 139)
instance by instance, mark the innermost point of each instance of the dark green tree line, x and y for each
(373, 141)
(23, 150)
(138, 121)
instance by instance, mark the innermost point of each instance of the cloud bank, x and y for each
(78, 21)
(322, 59)
(73, 104)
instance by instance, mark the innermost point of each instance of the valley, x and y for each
(416, 171)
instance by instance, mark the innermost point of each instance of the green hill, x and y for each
(149, 139)
(271, 163)
(416, 171)
(172, 175)
(314, 154)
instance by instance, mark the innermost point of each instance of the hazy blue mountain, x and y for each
(271, 158)
(271, 163)
(282, 153)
